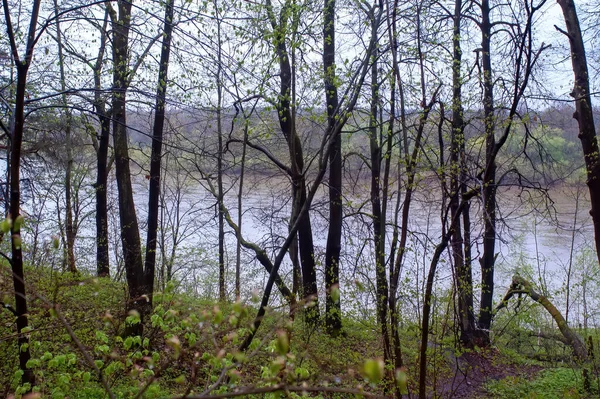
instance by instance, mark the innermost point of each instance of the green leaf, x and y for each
(6, 225)
(402, 380)
(128, 343)
(373, 370)
(282, 344)
(101, 336)
(301, 373)
(335, 293)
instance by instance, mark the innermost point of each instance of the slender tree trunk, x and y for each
(296, 268)
(22, 66)
(584, 113)
(220, 192)
(102, 251)
(130, 235)
(287, 124)
(333, 311)
(488, 258)
(326, 149)
(11, 124)
(571, 255)
(410, 160)
(69, 230)
(156, 154)
(395, 81)
(378, 218)
(463, 273)
(15, 203)
(238, 245)
(439, 249)
(162, 239)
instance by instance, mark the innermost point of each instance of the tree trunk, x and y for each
(462, 265)
(238, 245)
(220, 192)
(439, 249)
(102, 253)
(521, 286)
(130, 235)
(410, 160)
(287, 124)
(333, 310)
(395, 81)
(22, 66)
(156, 154)
(488, 258)
(69, 230)
(584, 113)
(378, 219)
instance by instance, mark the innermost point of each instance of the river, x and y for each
(539, 237)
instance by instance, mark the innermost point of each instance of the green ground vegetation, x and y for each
(190, 347)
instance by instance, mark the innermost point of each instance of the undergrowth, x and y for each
(190, 346)
(559, 383)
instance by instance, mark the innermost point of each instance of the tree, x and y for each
(220, 171)
(287, 121)
(584, 112)
(156, 155)
(378, 216)
(333, 309)
(461, 241)
(69, 229)
(488, 258)
(102, 165)
(521, 286)
(22, 64)
(525, 53)
(130, 236)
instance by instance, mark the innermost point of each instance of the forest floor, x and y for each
(187, 339)
(474, 369)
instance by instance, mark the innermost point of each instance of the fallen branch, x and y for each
(521, 286)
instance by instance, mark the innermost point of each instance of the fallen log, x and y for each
(521, 286)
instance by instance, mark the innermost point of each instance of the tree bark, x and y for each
(584, 113)
(238, 245)
(102, 254)
(333, 309)
(69, 229)
(488, 258)
(439, 249)
(378, 219)
(462, 265)
(102, 250)
(220, 191)
(156, 154)
(130, 235)
(392, 17)
(22, 66)
(287, 125)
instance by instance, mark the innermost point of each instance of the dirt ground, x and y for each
(474, 369)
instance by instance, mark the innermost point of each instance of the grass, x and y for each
(559, 383)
